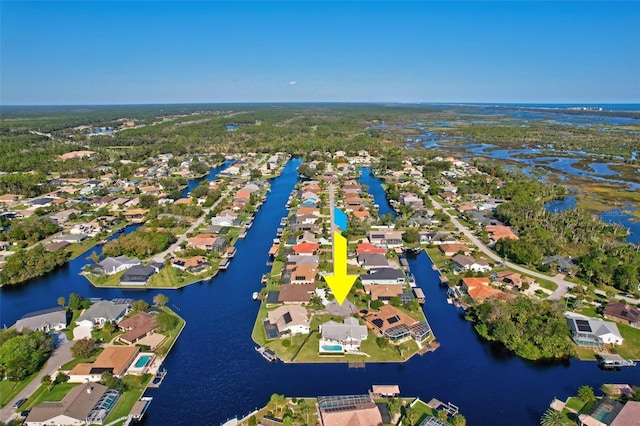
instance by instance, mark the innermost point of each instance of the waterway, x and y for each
(214, 372)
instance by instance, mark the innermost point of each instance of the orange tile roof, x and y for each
(117, 358)
(498, 232)
(361, 214)
(307, 248)
(369, 248)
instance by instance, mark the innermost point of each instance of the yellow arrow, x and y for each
(340, 283)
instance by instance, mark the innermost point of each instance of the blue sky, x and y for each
(167, 52)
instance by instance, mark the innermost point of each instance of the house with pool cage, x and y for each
(395, 325)
(89, 403)
(593, 332)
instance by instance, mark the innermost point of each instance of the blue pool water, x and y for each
(142, 361)
(331, 348)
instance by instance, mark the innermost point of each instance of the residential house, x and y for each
(367, 248)
(305, 249)
(55, 246)
(450, 249)
(54, 319)
(289, 319)
(468, 263)
(395, 325)
(102, 311)
(437, 238)
(70, 238)
(303, 274)
(511, 279)
(113, 265)
(479, 289)
(9, 200)
(388, 239)
(623, 313)
(348, 335)
(135, 215)
(384, 292)
(565, 265)
(139, 274)
(593, 332)
(202, 241)
(63, 216)
(295, 293)
(383, 276)
(499, 232)
(194, 264)
(227, 219)
(353, 410)
(372, 260)
(82, 405)
(114, 359)
(136, 327)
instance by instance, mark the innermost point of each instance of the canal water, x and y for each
(214, 372)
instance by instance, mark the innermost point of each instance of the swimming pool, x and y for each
(331, 348)
(142, 361)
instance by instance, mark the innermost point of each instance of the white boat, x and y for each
(255, 295)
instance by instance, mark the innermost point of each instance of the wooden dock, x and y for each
(356, 364)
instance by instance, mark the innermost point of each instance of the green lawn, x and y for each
(9, 389)
(549, 285)
(307, 349)
(630, 349)
(69, 365)
(128, 399)
(422, 409)
(575, 403)
(168, 277)
(172, 335)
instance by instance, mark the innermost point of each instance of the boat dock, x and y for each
(267, 353)
(157, 380)
(614, 361)
(224, 264)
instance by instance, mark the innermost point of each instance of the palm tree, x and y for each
(552, 417)
(46, 381)
(411, 414)
(305, 409)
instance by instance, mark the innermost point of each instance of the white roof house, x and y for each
(587, 331)
(54, 319)
(103, 311)
(113, 265)
(349, 334)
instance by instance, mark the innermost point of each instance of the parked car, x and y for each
(19, 403)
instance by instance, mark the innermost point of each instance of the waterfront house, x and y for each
(139, 274)
(352, 410)
(383, 292)
(383, 276)
(194, 264)
(54, 319)
(135, 215)
(478, 289)
(70, 238)
(102, 311)
(395, 325)
(9, 200)
(625, 314)
(114, 359)
(136, 327)
(436, 237)
(372, 260)
(348, 336)
(303, 274)
(295, 293)
(289, 319)
(593, 332)
(84, 404)
(57, 246)
(113, 265)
